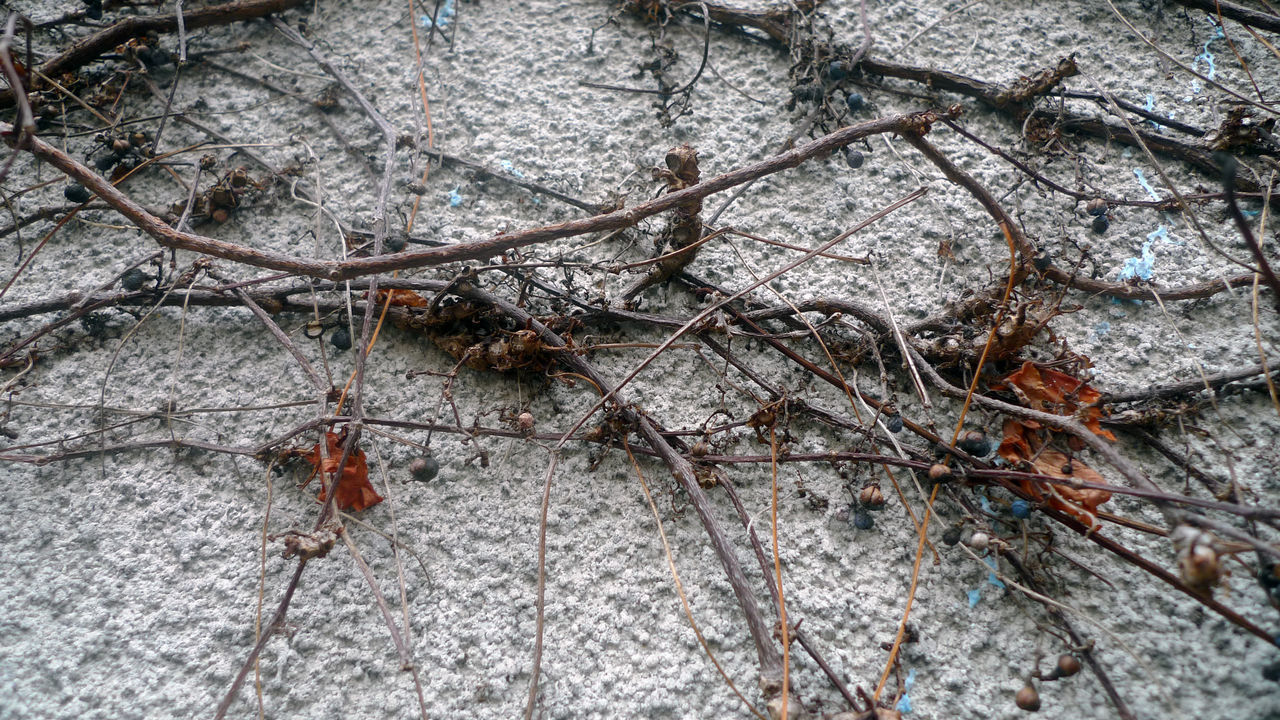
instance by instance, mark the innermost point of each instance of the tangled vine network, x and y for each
(644, 358)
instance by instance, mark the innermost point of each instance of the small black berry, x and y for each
(975, 443)
(133, 279)
(77, 193)
(863, 520)
(1100, 224)
(854, 158)
(951, 535)
(341, 338)
(855, 102)
(837, 71)
(894, 423)
(424, 468)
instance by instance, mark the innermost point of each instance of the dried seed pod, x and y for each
(939, 472)
(220, 215)
(699, 449)
(1027, 698)
(1068, 665)
(872, 498)
(424, 468)
(120, 146)
(525, 421)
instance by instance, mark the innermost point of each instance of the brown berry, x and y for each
(424, 468)
(938, 472)
(220, 215)
(1068, 665)
(1028, 699)
(871, 497)
(1096, 206)
(525, 421)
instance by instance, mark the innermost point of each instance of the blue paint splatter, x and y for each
(1102, 328)
(1207, 56)
(991, 576)
(506, 165)
(454, 198)
(1150, 106)
(974, 596)
(1142, 268)
(904, 704)
(444, 16)
(986, 504)
(1142, 180)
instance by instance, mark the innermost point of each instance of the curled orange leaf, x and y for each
(354, 492)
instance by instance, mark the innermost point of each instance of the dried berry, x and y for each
(872, 498)
(699, 449)
(77, 193)
(1021, 509)
(837, 71)
(951, 535)
(1096, 207)
(1068, 665)
(424, 468)
(855, 101)
(854, 158)
(938, 472)
(975, 443)
(106, 162)
(1027, 698)
(525, 421)
(133, 279)
(809, 92)
(220, 215)
(862, 519)
(1042, 261)
(1100, 224)
(341, 338)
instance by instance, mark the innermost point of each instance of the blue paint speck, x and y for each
(904, 704)
(454, 198)
(1102, 328)
(1142, 180)
(444, 16)
(1150, 106)
(1143, 267)
(974, 597)
(511, 169)
(1207, 56)
(991, 576)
